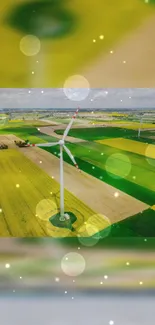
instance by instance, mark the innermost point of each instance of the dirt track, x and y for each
(138, 50)
(50, 131)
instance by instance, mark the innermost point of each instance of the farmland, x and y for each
(29, 197)
(119, 172)
(131, 145)
(117, 162)
(27, 132)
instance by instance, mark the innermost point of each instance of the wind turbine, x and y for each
(61, 143)
(139, 130)
(141, 121)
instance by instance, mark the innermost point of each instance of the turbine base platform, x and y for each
(66, 223)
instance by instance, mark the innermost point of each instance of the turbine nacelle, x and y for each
(61, 142)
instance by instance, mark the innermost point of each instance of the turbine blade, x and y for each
(49, 144)
(71, 157)
(70, 124)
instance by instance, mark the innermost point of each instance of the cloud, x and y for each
(116, 98)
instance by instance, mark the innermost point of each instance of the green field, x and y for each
(27, 133)
(99, 133)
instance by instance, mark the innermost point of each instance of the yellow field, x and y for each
(29, 197)
(126, 124)
(61, 58)
(131, 146)
(20, 122)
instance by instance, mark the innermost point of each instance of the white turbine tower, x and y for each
(61, 143)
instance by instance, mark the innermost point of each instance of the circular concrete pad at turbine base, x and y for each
(69, 219)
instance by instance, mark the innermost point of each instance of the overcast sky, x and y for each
(95, 98)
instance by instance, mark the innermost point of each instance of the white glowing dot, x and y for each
(51, 192)
(73, 280)
(129, 97)
(140, 282)
(146, 1)
(37, 61)
(65, 291)
(38, 129)
(92, 112)
(134, 177)
(102, 153)
(20, 277)
(105, 277)
(52, 177)
(7, 266)
(17, 185)
(42, 91)
(121, 100)
(13, 290)
(124, 61)
(0, 210)
(57, 279)
(101, 177)
(116, 194)
(91, 100)
(32, 72)
(72, 298)
(127, 263)
(40, 161)
(101, 36)
(29, 91)
(94, 40)
(111, 52)
(101, 282)
(111, 322)
(78, 247)
(36, 215)
(145, 239)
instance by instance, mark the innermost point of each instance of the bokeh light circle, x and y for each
(150, 154)
(76, 88)
(73, 264)
(44, 209)
(88, 235)
(118, 165)
(30, 45)
(95, 228)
